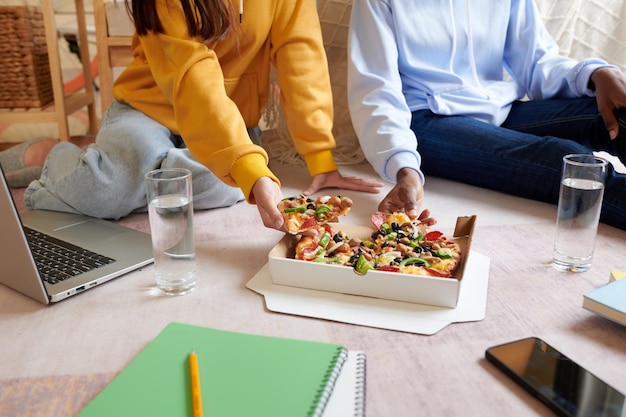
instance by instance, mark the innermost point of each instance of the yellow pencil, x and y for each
(196, 393)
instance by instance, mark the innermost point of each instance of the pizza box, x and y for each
(444, 292)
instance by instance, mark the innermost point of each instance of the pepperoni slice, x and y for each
(378, 218)
(388, 268)
(434, 235)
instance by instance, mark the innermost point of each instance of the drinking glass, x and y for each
(170, 210)
(578, 214)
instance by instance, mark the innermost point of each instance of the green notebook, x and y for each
(241, 375)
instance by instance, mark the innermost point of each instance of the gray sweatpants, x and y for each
(106, 179)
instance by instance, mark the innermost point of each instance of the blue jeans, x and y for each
(523, 157)
(106, 180)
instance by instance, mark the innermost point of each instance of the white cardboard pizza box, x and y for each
(444, 292)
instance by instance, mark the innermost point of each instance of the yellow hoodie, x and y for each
(209, 94)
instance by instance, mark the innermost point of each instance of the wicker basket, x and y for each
(24, 70)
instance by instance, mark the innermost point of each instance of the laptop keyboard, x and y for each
(58, 260)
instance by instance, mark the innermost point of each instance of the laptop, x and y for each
(74, 253)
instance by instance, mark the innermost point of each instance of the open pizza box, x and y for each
(444, 292)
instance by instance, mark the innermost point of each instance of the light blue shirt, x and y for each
(457, 57)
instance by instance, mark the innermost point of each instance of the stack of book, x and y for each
(609, 301)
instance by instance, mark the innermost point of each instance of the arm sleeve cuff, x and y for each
(403, 160)
(583, 75)
(247, 170)
(320, 162)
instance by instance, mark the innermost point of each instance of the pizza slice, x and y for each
(326, 246)
(303, 213)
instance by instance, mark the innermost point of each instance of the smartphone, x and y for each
(563, 385)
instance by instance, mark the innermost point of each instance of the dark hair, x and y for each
(211, 20)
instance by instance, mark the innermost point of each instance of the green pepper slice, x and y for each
(367, 243)
(443, 253)
(414, 260)
(327, 260)
(324, 240)
(300, 209)
(362, 265)
(321, 212)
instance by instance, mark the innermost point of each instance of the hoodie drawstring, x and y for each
(470, 44)
(453, 22)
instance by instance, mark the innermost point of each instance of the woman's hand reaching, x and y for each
(334, 179)
(267, 196)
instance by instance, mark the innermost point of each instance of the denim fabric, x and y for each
(106, 179)
(523, 157)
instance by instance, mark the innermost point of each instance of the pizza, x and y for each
(303, 213)
(397, 244)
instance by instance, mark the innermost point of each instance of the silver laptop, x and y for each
(49, 255)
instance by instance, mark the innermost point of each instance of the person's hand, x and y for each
(267, 196)
(425, 218)
(334, 179)
(610, 86)
(407, 196)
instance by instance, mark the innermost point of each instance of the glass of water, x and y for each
(170, 210)
(578, 213)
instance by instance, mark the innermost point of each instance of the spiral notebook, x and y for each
(241, 375)
(348, 396)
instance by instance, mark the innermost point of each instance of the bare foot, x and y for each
(36, 154)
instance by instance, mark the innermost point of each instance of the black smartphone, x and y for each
(566, 387)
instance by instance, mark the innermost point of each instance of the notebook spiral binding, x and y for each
(361, 385)
(330, 385)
